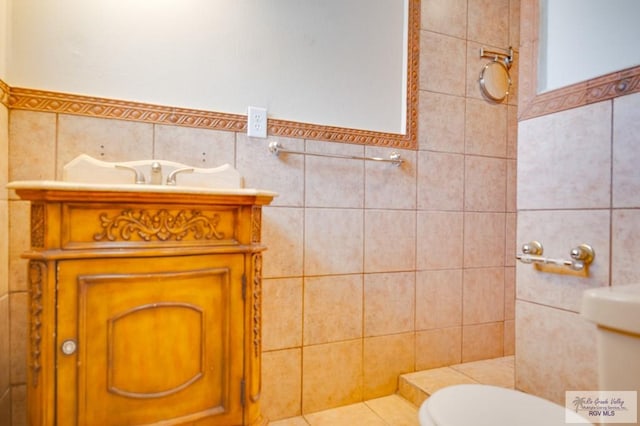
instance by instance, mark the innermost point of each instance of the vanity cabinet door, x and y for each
(144, 340)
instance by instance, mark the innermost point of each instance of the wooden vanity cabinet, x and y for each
(144, 308)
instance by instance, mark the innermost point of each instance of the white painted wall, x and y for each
(329, 62)
(584, 39)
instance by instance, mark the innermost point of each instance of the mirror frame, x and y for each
(63, 103)
(533, 104)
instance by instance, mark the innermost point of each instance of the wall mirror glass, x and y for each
(576, 52)
(495, 80)
(343, 70)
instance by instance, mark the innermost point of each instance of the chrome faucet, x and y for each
(156, 173)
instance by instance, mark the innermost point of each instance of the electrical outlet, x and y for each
(257, 122)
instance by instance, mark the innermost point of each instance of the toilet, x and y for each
(485, 405)
(615, 310)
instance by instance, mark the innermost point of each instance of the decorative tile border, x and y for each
(63, 103)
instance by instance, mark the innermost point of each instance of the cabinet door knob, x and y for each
(69, 347)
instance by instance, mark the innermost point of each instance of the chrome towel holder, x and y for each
(394, 158)
(581, 257)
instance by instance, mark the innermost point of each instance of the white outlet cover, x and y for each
(257, 122)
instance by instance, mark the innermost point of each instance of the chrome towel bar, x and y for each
(581, 256)
(275, 148)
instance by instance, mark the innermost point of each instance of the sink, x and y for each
(85, 169)
(85, 174)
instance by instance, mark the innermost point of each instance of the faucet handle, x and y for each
(171, 179)
(139, 175)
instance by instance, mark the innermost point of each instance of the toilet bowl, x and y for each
(616, 312)
(485, 405)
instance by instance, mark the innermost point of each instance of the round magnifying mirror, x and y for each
(495, 81)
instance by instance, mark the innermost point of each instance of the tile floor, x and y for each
(402, 409)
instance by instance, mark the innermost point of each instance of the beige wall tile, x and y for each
(440, 240)
(19, 335)
(283, 234)
(332, 308)
(438, 299)
(442, 63)
(512, 134)
(385, 359)
(441, 126)
(389, 240)
(331, 375)
(194, 147)
(485, 128)
(484, 239)
(19, 242)
(281, 313)
(546, 177)
(555, 352)
(482, 341)
(4, 150)
(32, 145)
(510, 249)
(388, 186)
(283, 174)
(438, 347)
(281, 384)
(334, 182)
(509, 337)
(509, 293)
(512, 185)
(440, 181)
(514, 23)
(389, 303)
(626, 155)
(559, 231)
(483, 295)
(445, 16)
(485, 184)
(104, 139)
(489, 22)
(625, 240)
(333, 241)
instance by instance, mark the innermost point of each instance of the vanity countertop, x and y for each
(61, 190)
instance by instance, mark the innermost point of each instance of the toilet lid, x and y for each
(479, 405)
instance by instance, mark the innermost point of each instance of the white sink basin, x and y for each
(88, 170)
(86, 174)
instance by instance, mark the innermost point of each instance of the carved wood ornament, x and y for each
(162, 225)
